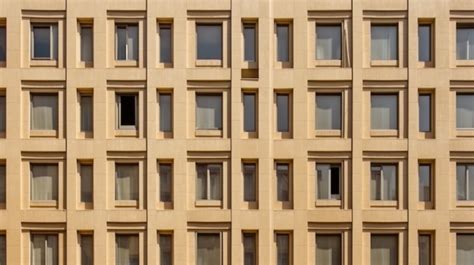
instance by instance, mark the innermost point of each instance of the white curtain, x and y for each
(464, 249)
(328, 249)
(424, 183)
(44, 112)
(86, 43)
(201, 182)
(86, 183)
(3, 250)
(121, 42)
(249, 113)
(208, 112)
(323, 182)
(126, 182)
(465, 43)
(86, 113)
(283, 249)
(328, 42)
(384, 250)
(389, 173)
(126, 251)
(44, 250)
(384, 112)
(328, 112)
(208, 249)
(283, 182)
(424, 247)
(375, 183)
(2, 183)
(3, 114)
(283, 113)
(215, 180)
(132, 42)
(250, 182)
(166, 250)
(44, 180)
(165, 182)
(165, 112)
(209, 41)
(384, 43)
(87, 250)
(465, 111)
(283, 43)
(249, 249)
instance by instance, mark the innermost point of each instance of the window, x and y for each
(166, 249)
(328, 111)
(250, 42)
(209, 111)
(165, 105)
(384, 42)
(3, 114)
(283, 249)
(44, 111)
(126, 182)
(127, 106)
(250, 182)
(424, 184)
(44, 41)
(383, 184)
(166, 182)
(384, 249)
(86, 43)
(328, 249)
(250, 111)
(384, 112)
(3, 44)
(209, 182)
(209, 41)
(424, 43)
(465, 182)
(329, 182)
(424, 110)
(250, 249)
(166, 43)
(464, 111)
(464, 249)
(283, 182)
(44, 249)
(86, 174)
(328, 42)
(3, 250)
(283, 112)
(126, 250)
(465, 42)
(424, 249)
(283, 42)
(208, 249)
(126, 42)
(86, 104)
(3, 187)
(44, 182)
(87, 249)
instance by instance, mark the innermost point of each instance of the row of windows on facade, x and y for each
(329, 248)
(330, 42)
(209, 110)
(209, 179)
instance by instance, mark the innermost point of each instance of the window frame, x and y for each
(386, 23)
(56, 260)
(128, 234)
(251, 204)
(254, 235)
(283, 204)
(330, 132)
(396, 235)
(165, 25)
(3, 27)
(247, 133)
(210, 62)
(330, 201)
(221, 244)
(431, 132)
(427, 204)
(248, 64)
(81, 236)
(290, 245)
(283, 134)
(431, 61)
(82, 62)
(330, 233)
(208, 201)
(53, 54)
(462, 25)
(330, 23)
(162, 133)
(277, 62)
(431, 254)
(118, 115)
(165, 204)
(219, 132)
(171, 237)
(462, 131)
(3, 113)
(387, 132)
(127, 60)
(81, 203)
(383, 201)
(467, 201)
(54, 202)
(83, 133)
(131, 203)
(3, 180)
(45, 132)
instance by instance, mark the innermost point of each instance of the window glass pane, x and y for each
(424, 43)
(283, 249)
(86, 113)
(384, 250)
(44, 112)
(465, 42)
(3, 250)
(209, 42)
(283, 42)
(465, 111)
(389, 182)
(424, 116)
(128, 109)
(3, 113)
(126, 251)
(283, 182)
(384, 112)
(424, 184)
(470, 180)
(250, 249)
(121, 32)
(424, 250)
(328, 112)
(86, 43)
(208, 249)
(165, 182)
(215, 178)
(44, 250)
(249, 112)
(208, 112)
(126, 182)
(132, 42)
(323, 181)
(86, 183)
(250, 43)
(464, 249)
(87, 246)
(41, 42)
(328, 249)
(166, 253)
(283, 113)
(44, 182)
(335, 182)
(376, 183)
(328, 42)
(384, 44)
(2, 183)
(201, 182)
(250, 182)
(461, 182)
(165, 44)
(3, 44)
(165, 112)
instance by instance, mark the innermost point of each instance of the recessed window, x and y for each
(126, 182)
(328, 42)
(86, 43)
(44, 182)
(250, 42)
(465, 182)
(44, 41)
(3, 250)
(165, 105)
(208, 111)
(44, 111)
(424, 183)
(283, 112)
(3, 113)
(87, 249)
(126, 249)
(283, 182)
(328, 249)
(424, 43)
(424, 112)
(3, 44)
(383, 183)
(86, 104)
(250, 111)
(86, 180)
(328, 111)
(384, 249)
(464, 111)
(208, 249)
(44, 249)
(209, 182)
(384, 42)
(283, 249)
(209, 41)
(166, 182)
(3, 187)
(384, 112)
(127, 106)
(126, 42)
(166, 249)
(329, 181)
(465, 42)
(424, 250)
(250, 248)
(250, 182)
(464, 249)
(283, 42)
(166, 43)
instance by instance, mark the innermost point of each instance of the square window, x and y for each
(44, 41)
(166, 249)
(250, 182)
(328, 42)
(328, 249)
(208, 249)
(165, 110)
(329, 181)
(383, 184)
(283, 112)
(126, 42)
(86, 180)
(384, 42)
(127, 106)
(126, 182)
(3, 44)
(424, 43)
(44, 182)
(283, 182)
(328, 111)
(209, 182)
(250, 248)
(250, 42)
(44, 249)
(424, 112)
(87, 249)
(464, 111)
(44, 111)
(283, 42)
(208, 111)
(465, 182)
(250, 112)
(209, 41)
(86, 105)
(424, 250)
(87, 45)
(166, 182)
(127, 249)
(464, 249)
(465, 42)
(166, 43)
(283, 249)
(384, 112)
(424, 184)
(384, 249)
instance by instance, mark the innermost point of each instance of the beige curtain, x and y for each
(384, 42)
(208, 249)
(328, 42)
(384, 250)
(87, 250)
(126, 182)
(126, 251)
(328, 249)
(465, 111)
(44, 182)
(44, 112)
(44, 250)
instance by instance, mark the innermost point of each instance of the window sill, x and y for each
(164, 135)
(249, 65)
(282, 135)
(85, 135)
(83, 64)
(391, 204)
(164, 65)
(426, 135)
(283, 205)
(43, 63)
(208, 63)
(126, 204)
(328, 133)
(164, 205)
(43, 133)
(465, 132)
(3, 134)
(429, 64)
(85, 206)
(126, 63)
(464, 63)
(425, 205)
(208, 203)
(328, 63)
(281, 65)
(126, 133)
(2, 205)
(249, 135)
(383, 133)
(249, 205)
(466, 203)
(208, 133)
(384, 63)
(44, 204)
(327, 203)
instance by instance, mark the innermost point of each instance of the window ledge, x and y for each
(126, 63)
(43, 133)
(3, 134)
(85, 206)
(43, 63)
(464, 63)
(208, 203)
(327, 203)
(2, 205)
(165, 65)
(427, 205)
(44, 204)
(383, 203)
(465, 132)
(328, 133)
(126, 203)
(208, 133)
(426, 135)
(281, 65)
(210, 62)
(3, 63)
(164, 135)
(164, 205)
(330, 63)
(384, 133)
(249, 65)
(249, 135)
(384, 63)
(249, 205)
(83, 64)
(126, 133)
(283, 205)
(283, 135)
(86, 135)
(428, 64)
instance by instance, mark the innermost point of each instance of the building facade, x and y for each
(219, 132)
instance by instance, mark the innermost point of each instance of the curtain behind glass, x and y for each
(215, 178)
(323, 182)
(87, 245)
(86, 183)
(465, 111)
(166, 250)
(44, 112)
(249, 112)
(384, 112)
(208, 249)
(2, 183)
(132, 42)
(126, 182)
(389, 181)
(384, 250)
(250, 182)
(165, 43)
(250, 249)
(464, 249)
(384, 42)
(3, 113)
(328, 42)
(283, 249)
(44, 250)
(328, 112)
(328, 249)
(165, 112)
(201, 182)
(283, 182)
(424, 250)
(44, 182)
(86, 113)
(208, 112)
(283, 113)
(249, 43)
(165, 182)
(461, 182)
(375, 183)
(283, 43)
(126, 251)
(86, 43)
(121, 45)
(465, 43)
(209, 42)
